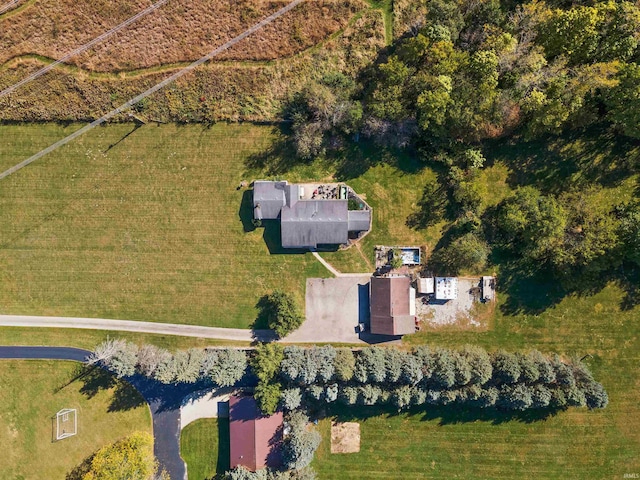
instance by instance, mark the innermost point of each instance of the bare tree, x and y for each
(105, 351)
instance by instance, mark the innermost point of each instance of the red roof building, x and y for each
(255, 439)
(393, 306)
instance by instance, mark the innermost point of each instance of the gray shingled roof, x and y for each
(268, 199)
(315, 222)
(359, 220)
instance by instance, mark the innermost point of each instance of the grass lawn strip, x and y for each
(204, 445)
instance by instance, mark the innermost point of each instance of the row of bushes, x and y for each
(507, 397)
(438, 376)
(224, 367)
(435, 368)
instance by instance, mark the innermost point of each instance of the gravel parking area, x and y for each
(450, 312)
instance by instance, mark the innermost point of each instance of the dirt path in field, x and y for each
(333, 270)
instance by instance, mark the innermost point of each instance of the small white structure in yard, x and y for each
(425, 286)
(446, 288)
(66, 423)
(488, 288)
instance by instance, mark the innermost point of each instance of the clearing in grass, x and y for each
(345, 437)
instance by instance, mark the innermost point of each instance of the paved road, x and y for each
(164, 402)
(44, 353)
(135, 326)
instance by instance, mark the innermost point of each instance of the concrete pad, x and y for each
(334, 308)
(205, 404)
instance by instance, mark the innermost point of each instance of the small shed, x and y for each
(446, 288)
(426, 286)
(488, 288)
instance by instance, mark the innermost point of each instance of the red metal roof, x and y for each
(390, 306)
(254, 438)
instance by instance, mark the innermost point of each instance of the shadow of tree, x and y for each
(265, 311)
(125, 397)
(585, 157)
(96, 379)
(431, 207)
(79, 471)
(447, 415)
(629, 280)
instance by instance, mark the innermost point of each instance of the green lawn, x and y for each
(204, 446)
(142, 225)
(88, 339)
(153, 228)
(33, 391)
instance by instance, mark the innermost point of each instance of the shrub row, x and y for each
(437, 376)
(224, 367)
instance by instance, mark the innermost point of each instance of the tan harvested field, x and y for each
(178, 31)
(251, 91)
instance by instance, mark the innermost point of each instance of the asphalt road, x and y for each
(164, 402)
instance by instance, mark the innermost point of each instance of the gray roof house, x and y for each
(306, 222)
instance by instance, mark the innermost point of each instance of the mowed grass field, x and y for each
(141, 225)
(204, 446)
(32, 392)
(149, 224)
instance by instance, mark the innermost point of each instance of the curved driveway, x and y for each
(164, 402)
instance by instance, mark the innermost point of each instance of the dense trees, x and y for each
(468, 252)
(292, 377)
(466, 72)
(439, 376)
(225, 367)
(573, 235)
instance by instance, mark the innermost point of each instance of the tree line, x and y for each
(224, 367)
(294, 377)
